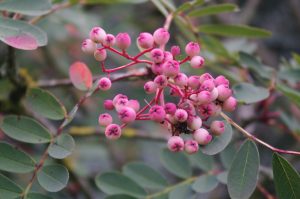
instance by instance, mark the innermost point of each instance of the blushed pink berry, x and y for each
(145, 40)
(229, 104)
(223, 92)
(197, 62)
(157, 113)
(105, 119)
(192, 49)
(207, 85)
(171, 68)
(175, 144)
(113, 131)
(157, 55)
(217, 127)
(194, 82)
(191, 146)
(161, 81)
(88, 46)
(181, 80)
(119, 96)
(134, 104)
(150, 87)
(170, 108)
(104, 84)
(100, 54)
(221, 80)
(207, 110)
(214, 94)
(97, 34)
(204, 97)
(123, 40)
(205, 76)
(167, 56)
(109, 40)
(161, 36)
(157, 68)
(108, 105)
(194, 122)
(127, 114)
(123, 102)
(181, 115)
(175, 50)
(202, 136)
(188, 107)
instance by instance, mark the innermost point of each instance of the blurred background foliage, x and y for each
(272, 62)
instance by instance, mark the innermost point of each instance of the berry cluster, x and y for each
(198, 97)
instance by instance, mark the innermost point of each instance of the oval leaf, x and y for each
(248, 93)
(53, 178)
(182, 191)
(203, 161)
(21, 35)
(243, 174)
(120, 196)
(26, 7)
(214, 9)
(14, 160)
(116, 183)
(234, 30)
(227, 155)
(25, 129)
(292, 94)
(145, 175)
(36, 196)
(176, 163)
(286, 178)
(81, 76)
(219, 143)
(44, 103)
(8, 188)
(205, 183)
(62, 147)
(222, 177)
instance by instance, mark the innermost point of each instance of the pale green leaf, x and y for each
(214, 9)
(26, 7)
(62, 147)
(248, 93)
(205, 183)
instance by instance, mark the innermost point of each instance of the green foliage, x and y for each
(227, 155)
(14, 160)
(182, 191)
(8, 189)
(37, 196)
(214, 9)
(205, 184)
(45, 104)
(53, 178)
(111, 1)
(243, 174)
(248, 93)
(286, 178)
(62, 147)
(202, 161)
(25, 129)
(26, 7)
(292, 94)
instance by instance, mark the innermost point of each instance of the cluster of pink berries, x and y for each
(199, 97)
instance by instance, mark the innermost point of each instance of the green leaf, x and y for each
(291, 75)
(286, 178)
(119, 196)
(144, 175)
(25, 129)
(37, 196)
(14, 160)
(219, 143)
(44, 103)
(205, 183)
(227, 155)
(214, 45)
(53, 178)
(248, 93)
(233, 30)
(214, 9)
(111, 1)
(8, 188)
(21, 35)
(62, 147)
(117, 183)
(160, 7)
(243, 174)
(292, 94)
(182, 191)
(176, 163)
(222, 177)
(203, 161)
(188, 5)
(26, 7)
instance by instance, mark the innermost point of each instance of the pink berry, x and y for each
(205, 76)
(223, 92)
(197, 62)
(123, 41)
(97, 34)
(194, 122)
(191, 146)
(117, 97)
(161, 81)
(175, 50)
(134, 104)
(192, 49)
(175, 144)
(181, 115)
(221, 80)
(207, 85)
(100, 54)
(104, 84)
(167, 56)
(204, 97)
(157, 113)
(181, 80)
(109, 40)
(161, 36)
(170, 108)
(188, 107)
(194, 82)
(113, 131)
(229, 104)
(202, 136)
(108, 105)
(123, 102)
(157, 55)
(105, 119)
(88, 46)
(207, 110)
(127, 114)
(171, 68)
(214, 94)
(157, 68)
(145, 40)
(217, 127)
(150, 87)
